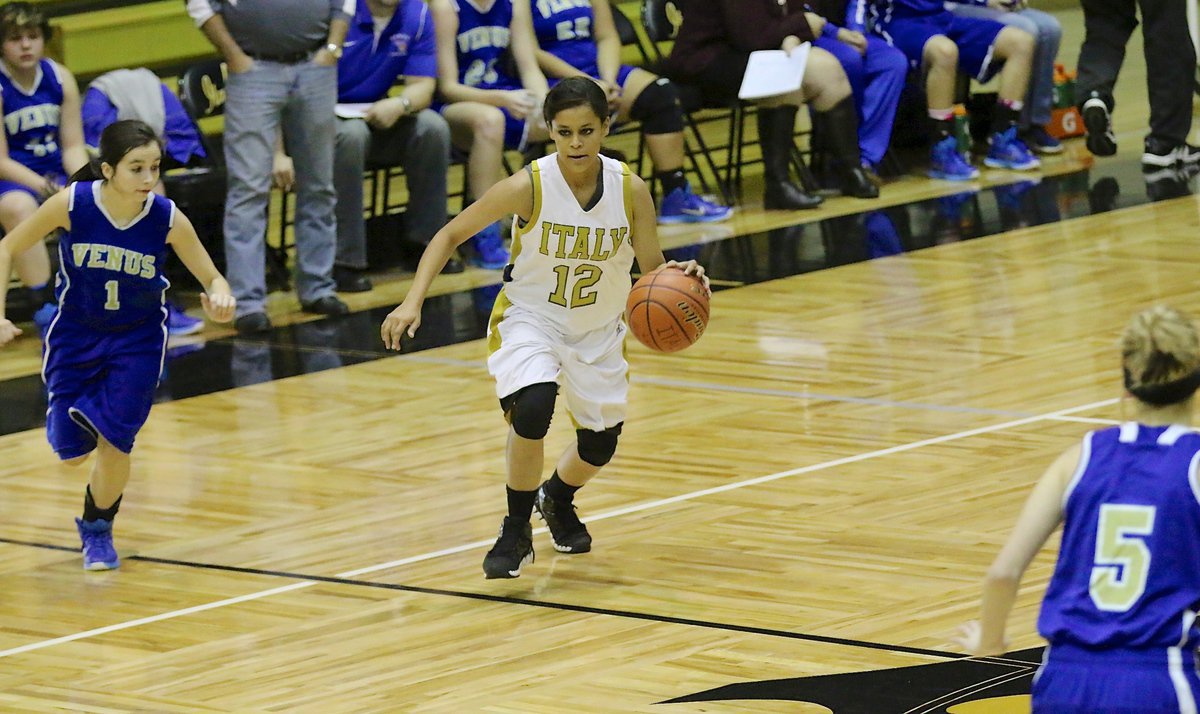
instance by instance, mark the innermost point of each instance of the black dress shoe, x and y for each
(252, 323)
(858, 184)
(350, 280)
(788, 196)
(328, 305)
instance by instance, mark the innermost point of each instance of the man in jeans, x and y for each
(387, 39)
(282, 58)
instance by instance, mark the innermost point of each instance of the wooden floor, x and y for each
(813, 489)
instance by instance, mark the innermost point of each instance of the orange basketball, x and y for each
(667, 310)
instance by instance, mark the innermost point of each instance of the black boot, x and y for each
(839, 132)
(775, 128)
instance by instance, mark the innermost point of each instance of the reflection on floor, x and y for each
(205, 367)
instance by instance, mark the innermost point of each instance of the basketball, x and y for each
(667, 310)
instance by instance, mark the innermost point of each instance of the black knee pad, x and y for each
(658, 108)
(597, 447)
(530, 409)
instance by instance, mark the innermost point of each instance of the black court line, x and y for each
(510, 600)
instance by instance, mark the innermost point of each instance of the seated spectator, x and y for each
(1047, 33)
(42, 143)
(940, 43)
(488, 109)
(876, 72)
(140, 94)
(386, 40)
(578, 38)
(712, 49)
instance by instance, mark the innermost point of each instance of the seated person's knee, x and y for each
(597, 447)
(530, 409)
(658, 108)
(940, 52)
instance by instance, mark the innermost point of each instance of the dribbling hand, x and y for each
(219, 307)
(970, 638)
(8, 331)
(402, 321)
(691, 267)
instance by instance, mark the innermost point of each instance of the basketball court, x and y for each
(799, 515)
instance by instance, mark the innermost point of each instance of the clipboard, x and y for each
(770, 73)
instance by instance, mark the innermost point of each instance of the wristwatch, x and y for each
(334, 49)
(404, 101)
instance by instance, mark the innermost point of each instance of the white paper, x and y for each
(770, 73)
(352, 111)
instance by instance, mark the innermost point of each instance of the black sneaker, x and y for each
(1161, 154)
(513, 549)
(1101, 140)
(566, 530)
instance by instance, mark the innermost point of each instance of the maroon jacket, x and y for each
(713, 27)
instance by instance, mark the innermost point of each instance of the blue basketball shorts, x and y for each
(976, 39)
(1077, 680)
(100, 384)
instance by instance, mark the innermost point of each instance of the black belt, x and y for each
(290, 58)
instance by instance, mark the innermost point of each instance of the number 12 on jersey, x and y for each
(586, 275)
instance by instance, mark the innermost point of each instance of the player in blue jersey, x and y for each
(42, 142)
(579, 38)
(1120, 610)
(104, 350)
(488, 108)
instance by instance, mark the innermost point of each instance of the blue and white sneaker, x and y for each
(683, 206)
(489, 248)
(44, 316)
(1009, 152)
(946, 163)
(98, 551)
(1037, 138)
(180, 323)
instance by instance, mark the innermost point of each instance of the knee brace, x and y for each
(658, 108)
(597, 447)
(530, 409)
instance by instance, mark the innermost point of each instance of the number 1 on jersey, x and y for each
(114, 299)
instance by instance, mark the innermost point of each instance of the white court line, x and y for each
(1087, 420)
(603, 516)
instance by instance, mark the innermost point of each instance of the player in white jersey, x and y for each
(581, 219)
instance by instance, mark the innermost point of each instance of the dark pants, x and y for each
(1170, 58)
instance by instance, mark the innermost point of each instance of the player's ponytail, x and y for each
(117, 139)
(1160, 353)
(88, 172)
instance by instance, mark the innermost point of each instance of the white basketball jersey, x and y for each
(570, 265)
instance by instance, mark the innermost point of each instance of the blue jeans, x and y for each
(421, 144)
(1047, 34)
(301, 99)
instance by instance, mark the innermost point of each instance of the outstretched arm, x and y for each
(513, 195)
(49, 217)
(1042, 513)
(217, 300)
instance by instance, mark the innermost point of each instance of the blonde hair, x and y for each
(1159, 346)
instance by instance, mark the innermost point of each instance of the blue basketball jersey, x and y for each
(110, 277)
(564, 29)
(31, 119)
(483, 37)
(1128, 572)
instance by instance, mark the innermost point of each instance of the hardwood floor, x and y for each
(801, 503)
